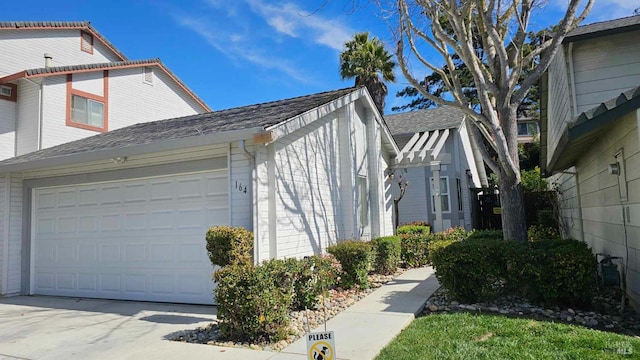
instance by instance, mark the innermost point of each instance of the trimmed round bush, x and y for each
(387, 254)
(228, 245)
(414, 241)
(355, 258)
(473, 270)
(250, 307)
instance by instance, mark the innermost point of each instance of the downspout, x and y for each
(40, 112)
(572, 81)
(5, 245)
(254, 196)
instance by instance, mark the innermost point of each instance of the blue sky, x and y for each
(240, 52)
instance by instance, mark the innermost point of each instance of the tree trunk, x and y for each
(514, 224)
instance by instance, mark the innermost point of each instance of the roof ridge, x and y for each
(608, 21)
(353, 88)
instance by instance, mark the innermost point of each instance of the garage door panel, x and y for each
(137, 240)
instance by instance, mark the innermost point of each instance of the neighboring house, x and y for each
(528, 130)
(62, 81)
(590, 139)
(437, 143)
(122, 215)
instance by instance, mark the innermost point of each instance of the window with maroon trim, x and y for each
(86, 110)
(9, 92)
(86, 42)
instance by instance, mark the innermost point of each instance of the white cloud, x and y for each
(291, 20)
(235, 47)
(603, 10)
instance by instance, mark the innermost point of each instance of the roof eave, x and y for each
(575, 140)
(139, 149)
(155, 62)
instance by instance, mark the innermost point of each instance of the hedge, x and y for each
(387, 254)
(355, 257)
(228, 245)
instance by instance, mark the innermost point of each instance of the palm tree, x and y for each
(366, 60)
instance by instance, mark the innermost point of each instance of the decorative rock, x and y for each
(433, 308)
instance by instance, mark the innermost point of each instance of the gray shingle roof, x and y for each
(86, 25)
(444, 117)
(604, 28)
(259, 115)
(404, 125)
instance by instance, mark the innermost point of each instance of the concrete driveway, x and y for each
(41, 327)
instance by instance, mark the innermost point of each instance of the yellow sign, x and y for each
(321, 346)
(497, 210)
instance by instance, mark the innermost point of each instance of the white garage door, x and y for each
(140, 239)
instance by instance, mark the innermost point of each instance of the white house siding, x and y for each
(130, 101)
(134, 161)
(602, 208)
(13, 236)
(4, 229)
(605, 67)
(133, 101)
(28, 117)
(7, 129)
(307, 189)
(263, 189)
(241, 186)
(24, 49)
(360, 147)
(570, 212)
(559, 107)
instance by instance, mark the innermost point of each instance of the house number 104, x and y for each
(240, 187)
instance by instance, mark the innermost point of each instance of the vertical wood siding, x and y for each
(307, 189)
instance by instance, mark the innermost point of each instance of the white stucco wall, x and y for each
(25, 49)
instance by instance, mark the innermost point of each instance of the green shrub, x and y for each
(417, 223)
(455, 234)
(228, 245)
(250, 307)
(355, 258)
(316, 275)
(387, 254)
(555, 272)
(414, 229)
(414, 241)
(486, 234)
(541, 233)
(473, 270)
(437, 245)
(547, 271)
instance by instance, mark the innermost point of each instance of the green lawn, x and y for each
(469, 336)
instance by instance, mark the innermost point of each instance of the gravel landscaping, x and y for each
(301, 321)
(606, 314)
